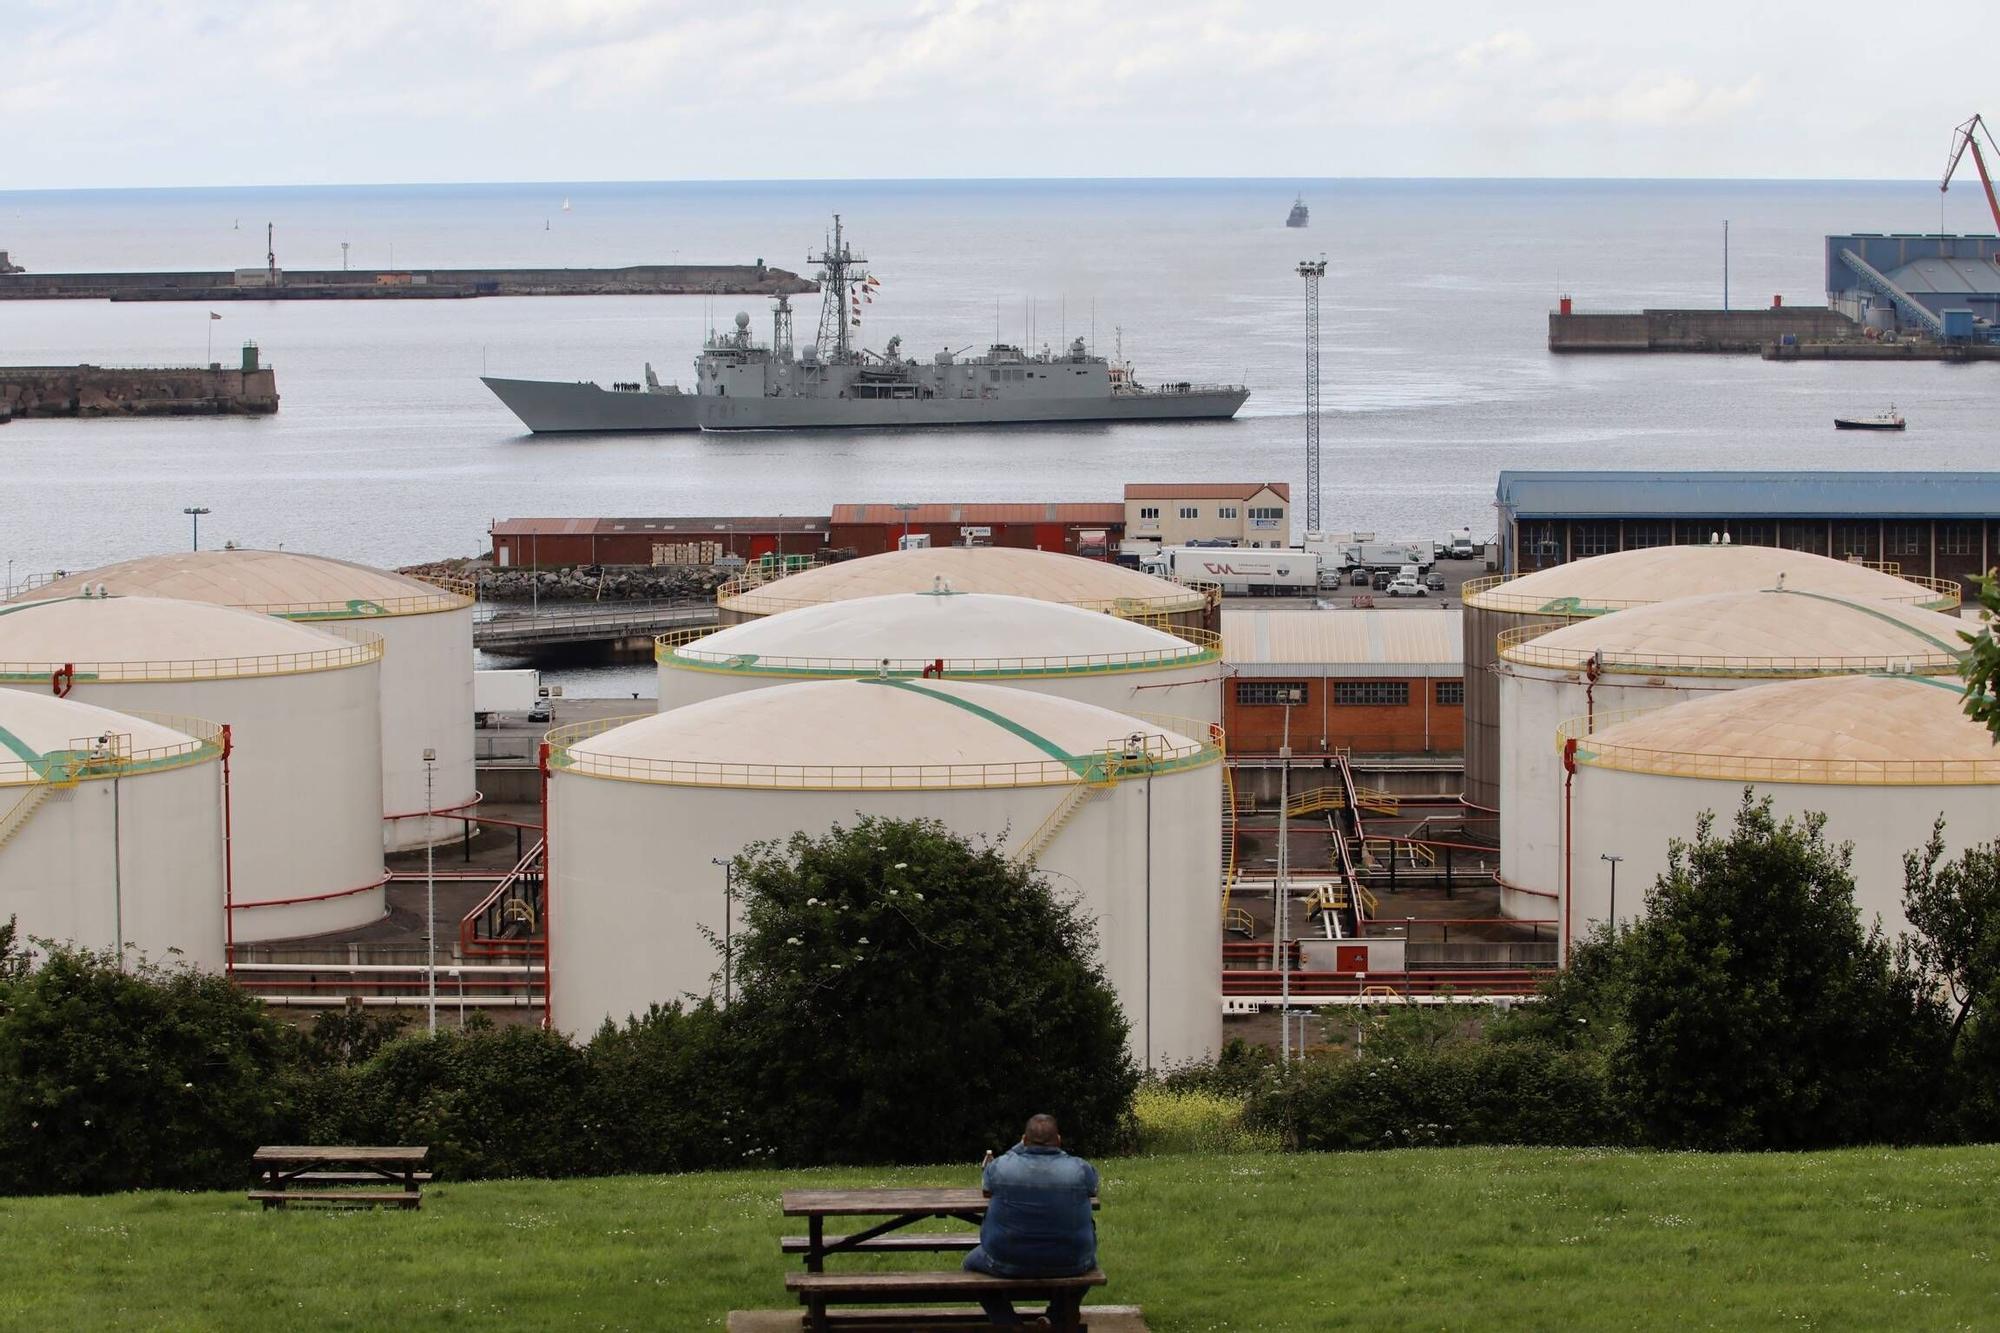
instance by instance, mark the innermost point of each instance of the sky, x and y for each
(129, 93)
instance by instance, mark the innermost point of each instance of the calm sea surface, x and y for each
(388, 449)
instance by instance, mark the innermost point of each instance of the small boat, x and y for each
(1889, 420)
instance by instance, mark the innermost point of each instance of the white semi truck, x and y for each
(1243, 569)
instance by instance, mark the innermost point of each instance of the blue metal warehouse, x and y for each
(1941, 524)
(1907, 281)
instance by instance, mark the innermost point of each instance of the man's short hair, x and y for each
(1041, 1131)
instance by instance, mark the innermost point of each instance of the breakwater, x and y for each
(1695, 330)
(407, 284)
(111, 391)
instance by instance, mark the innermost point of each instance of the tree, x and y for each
(1954, 913)
(1759, 1013)
(134, 1076)
(902, 995)
(1981, 667)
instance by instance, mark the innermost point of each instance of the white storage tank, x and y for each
(638, 810)
(111, 828)
(302, 705)
(945, 634)
(1880, 756)
(1048, 576)
(426, 629)
(1582, 589)
(1654, 655)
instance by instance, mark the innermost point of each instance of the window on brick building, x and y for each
(1270, 692)
(1190, 511)
(1372, 693)
(1149, 511)
(1450, 693)
(1226, 511)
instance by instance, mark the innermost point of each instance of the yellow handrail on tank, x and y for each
(1489, 594)
(1591, 751)
(1517, 645)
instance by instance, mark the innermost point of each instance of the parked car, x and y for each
(1406, 587)
(1382, 580)
(1435, 583)
(1361, 577)
(539, 712)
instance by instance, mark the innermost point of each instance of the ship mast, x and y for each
(835, 264)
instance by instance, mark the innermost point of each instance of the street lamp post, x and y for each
(1281, 895)
(195, 512)
(1613, 860)
(430, 899)
(728, 918)
(905, 510)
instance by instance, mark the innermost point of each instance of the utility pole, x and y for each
(1614, 860)
(1281, 898)
(430, 897)
(728, 921)
(195, 512)
(1725, 266)
(1312, 270)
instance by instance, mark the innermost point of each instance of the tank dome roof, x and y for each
(879, 734)
(280, 583)
(158, 638)
(971, 631)
(36, 728)
(1047, 576)
(1659, 573)
(1789, 632)
(1887, 729)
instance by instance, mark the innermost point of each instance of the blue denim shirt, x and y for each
(1038, 1223)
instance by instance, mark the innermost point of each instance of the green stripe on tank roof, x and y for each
(19, 747)
(1876, 612)
(1076, 763)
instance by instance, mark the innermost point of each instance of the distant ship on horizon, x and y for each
(1299, 216)
(741, 384)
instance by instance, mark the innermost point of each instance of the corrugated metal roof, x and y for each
(981, 513)
(695, 526)
(1381, 642)
(1209, 490)
(1756, 494)
(1952, 277)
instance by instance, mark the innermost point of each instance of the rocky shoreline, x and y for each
(608, 583)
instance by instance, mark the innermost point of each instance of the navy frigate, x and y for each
(742, 384)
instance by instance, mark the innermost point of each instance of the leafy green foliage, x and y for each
(655, 1099)
(141, 1076)
(1954, 913)
(1759, 1013)
(902, 995)
(1981, 667)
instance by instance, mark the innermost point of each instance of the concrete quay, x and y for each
(407, 284)
(1695, 330)
(109, 391)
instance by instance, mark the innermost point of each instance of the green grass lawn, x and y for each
(1442, 1239)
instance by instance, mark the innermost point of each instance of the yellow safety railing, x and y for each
(1239, 920)
(1037, 842)
(682, 649)
(1116, 761)
(1517, 645)
(1228, 842)
(1491, 594)
(87, 758)
(750, 594)
(361, 649)
(1592, 751)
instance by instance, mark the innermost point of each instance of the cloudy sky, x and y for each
(221, 92)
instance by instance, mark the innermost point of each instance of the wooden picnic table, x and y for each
(903, 1208)
(282, 1168)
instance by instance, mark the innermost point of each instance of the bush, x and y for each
(1188, 1121)
(656, 1100)
(137, 1077)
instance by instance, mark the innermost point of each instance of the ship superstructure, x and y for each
(741, 384)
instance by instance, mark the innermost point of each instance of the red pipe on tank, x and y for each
(548, 899)
(63, 679)
(228, 864)
(1569, 836)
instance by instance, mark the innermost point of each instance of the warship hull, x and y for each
(555, 407)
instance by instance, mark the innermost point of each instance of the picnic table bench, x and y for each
(902, 1209)
(282, 1169)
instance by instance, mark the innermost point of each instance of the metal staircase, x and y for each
(1878, 282)
(59, 771)
(1073, 800)
(17, 817)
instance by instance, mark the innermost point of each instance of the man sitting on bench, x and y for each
(1038, 1223)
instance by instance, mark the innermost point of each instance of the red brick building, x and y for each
(554, 543)
(1370, 682)
(1091, 530)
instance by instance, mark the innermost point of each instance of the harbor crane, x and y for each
(1964, 137)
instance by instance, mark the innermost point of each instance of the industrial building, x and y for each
(1236, 513)
(1369, 682)
(1909, 282)
(1882, 757)
(303, 707)
(560, 543)
(1943, 525)
(1089, 530)
(1124, 814)
(426, 629)
(1587, 588)
(1047, 576)
(944, 634)
(1650, 656)
(111, 828)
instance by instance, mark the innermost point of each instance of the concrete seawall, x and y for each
(104, 391)
(408, 284)
(1695, 330)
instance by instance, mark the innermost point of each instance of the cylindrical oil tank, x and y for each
(111, 828)
(1122, 814)
(949, 635)
(303, 707)
(1047, 576)
(1581, 589)
(1653, 655)
(1882, 757)
(426, 629)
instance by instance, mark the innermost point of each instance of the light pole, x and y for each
(430, 897)
(728, 914)
(905, 510)
(195, 512)
(1614, 860)
(1280, 897)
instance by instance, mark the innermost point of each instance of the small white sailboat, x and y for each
(565, 203)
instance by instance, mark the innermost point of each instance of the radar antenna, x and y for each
(835, 263)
